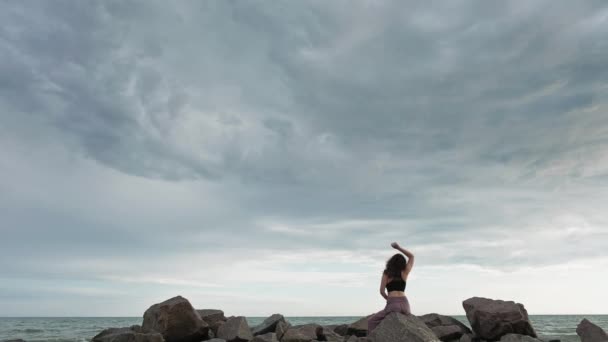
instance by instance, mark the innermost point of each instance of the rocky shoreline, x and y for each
(176, 320)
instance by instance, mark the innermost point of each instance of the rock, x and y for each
(236, 329)
(268, 325)
(281, 328)
(267, 337)
(325, 333)
(333, 336)
(176, 320)
(301, 333)
(445, 327)
(341, 329)
(329, 335)
(518, 338)
(466, 338)
(433, 320)
(354, 338)
(447, 332)
(132, 334)
(213, 317)
(216, 340)
(397, 327)
(17, 340)
(589, 332)
(358, 328)
(491, 319)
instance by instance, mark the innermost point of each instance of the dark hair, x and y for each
(395, 265)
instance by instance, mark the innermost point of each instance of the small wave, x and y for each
(27, 331)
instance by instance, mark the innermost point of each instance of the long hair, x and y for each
(395, 265)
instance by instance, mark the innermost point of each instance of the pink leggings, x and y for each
(393, 304)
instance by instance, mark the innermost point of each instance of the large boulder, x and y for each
(302, 333)
(132, 334)
(267, 337)
(518, 338)
(176, 320)
(213, 317)
(491, 319)
(445, 327)
(281, 328)
(329, 335)
(236, 329)
(354, 338)
(340, 329)
(589, 332)
(268, 325)
(359, 327)
(397, 327)
(466, 338)
(447, 332)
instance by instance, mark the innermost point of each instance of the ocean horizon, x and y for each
(82, 329)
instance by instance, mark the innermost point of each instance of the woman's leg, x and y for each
(375, 319)
(405, 307)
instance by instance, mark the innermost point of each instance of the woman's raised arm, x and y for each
(408, 254)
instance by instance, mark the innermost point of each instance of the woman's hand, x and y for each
(395, 245)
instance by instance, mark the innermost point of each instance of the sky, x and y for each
(259, 157)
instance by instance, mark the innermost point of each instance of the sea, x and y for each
(82, 329)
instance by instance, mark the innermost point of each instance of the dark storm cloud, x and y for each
(114, 78)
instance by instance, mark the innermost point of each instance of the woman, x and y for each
(394, 278)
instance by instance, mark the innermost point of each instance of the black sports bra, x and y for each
(395, 285)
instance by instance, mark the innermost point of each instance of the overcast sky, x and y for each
(261, 156)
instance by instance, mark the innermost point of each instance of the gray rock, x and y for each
(445, 327)
(397, 327)
(132, 334)
(213, 317)
(268, 325)
(176, 320)
(302, 333)
(466, 338)
(447, 332)
(267, 337)
(358, 328)
(281, 329)
(341, 329)
(491, 319)
(434, 320)
(354, 338)
(329, 335)
(216, 340)
(518, 338)
(236, 329)
(589, 332)
(17, 340)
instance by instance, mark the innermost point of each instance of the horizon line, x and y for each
(289, 316)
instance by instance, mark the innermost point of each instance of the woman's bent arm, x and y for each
(408, 254)
(383, 286)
